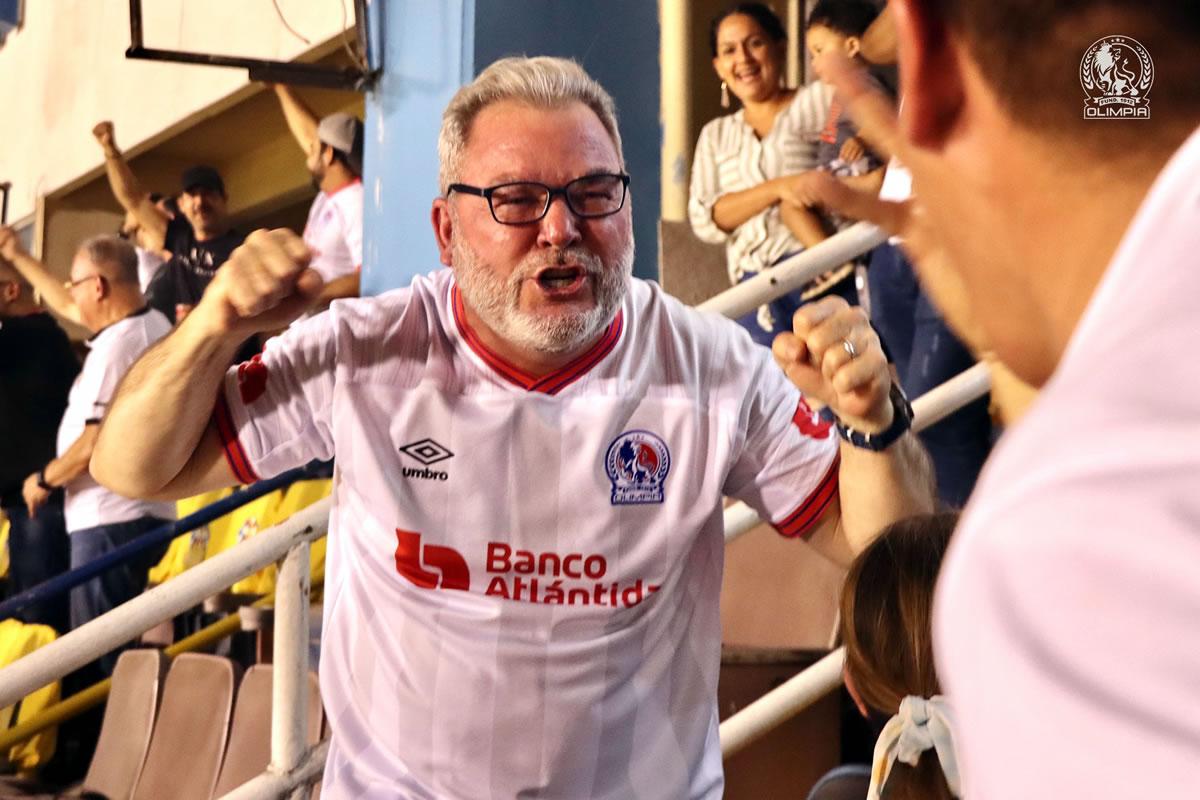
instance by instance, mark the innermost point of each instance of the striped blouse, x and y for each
(730, 158)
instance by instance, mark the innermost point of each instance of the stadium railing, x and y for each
(292, 765)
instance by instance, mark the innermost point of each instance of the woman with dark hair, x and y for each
(751, 167)
(886, 627)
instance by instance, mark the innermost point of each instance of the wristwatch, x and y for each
(902, 417)
(42, 482)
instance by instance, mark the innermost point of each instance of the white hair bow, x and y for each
(919, 725)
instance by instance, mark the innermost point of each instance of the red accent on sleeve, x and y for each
(800, 522)
(234, 454)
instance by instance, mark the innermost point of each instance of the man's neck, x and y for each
(204, 234)
(23, 308)
(118, 307)
(537, 364)
(336, 180)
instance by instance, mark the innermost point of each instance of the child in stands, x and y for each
(886, 609)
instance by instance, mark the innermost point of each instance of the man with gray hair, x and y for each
(103, 295)
(532, 448)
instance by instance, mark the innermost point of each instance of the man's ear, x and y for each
(9, 290)
(931, 73)
(443, 229)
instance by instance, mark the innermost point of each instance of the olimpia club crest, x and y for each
(637, 463)
(1116, 73)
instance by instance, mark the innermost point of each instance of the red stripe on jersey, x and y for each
(234, 454)
(547, 384)
(800, 521)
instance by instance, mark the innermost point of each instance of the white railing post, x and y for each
(781, 704)
(289, 690)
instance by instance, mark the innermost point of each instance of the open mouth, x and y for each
(556, 280)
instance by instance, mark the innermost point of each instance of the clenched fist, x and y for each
(834, 356)
(104, 135)
(265, 284)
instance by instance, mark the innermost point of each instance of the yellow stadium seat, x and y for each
(17, 640)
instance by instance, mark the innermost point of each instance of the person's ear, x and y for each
(931, 76)
(9, 290)
(853, 46)
(443, 229)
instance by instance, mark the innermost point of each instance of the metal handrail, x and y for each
(64, 582)
(135, 617)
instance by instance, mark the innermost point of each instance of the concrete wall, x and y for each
(430, 49)
(65, 69)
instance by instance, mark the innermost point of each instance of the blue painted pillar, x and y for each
(428, 48)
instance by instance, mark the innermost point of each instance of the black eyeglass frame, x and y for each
(551, 192)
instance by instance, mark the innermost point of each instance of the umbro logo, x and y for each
(428, 452)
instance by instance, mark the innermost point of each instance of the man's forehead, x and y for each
(510, 140)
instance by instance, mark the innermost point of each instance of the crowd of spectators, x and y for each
(128, 290)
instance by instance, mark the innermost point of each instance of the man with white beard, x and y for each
(532, 448)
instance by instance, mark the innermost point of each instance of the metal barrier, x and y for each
(292, 766)
(60, 584)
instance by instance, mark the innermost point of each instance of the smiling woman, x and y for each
(750, 167)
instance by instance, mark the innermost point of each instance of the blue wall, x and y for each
(430, 48)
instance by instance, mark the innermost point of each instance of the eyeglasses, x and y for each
(522, 202)
(69, 285)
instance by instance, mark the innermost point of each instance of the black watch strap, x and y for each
(902, 418)
(43, 483)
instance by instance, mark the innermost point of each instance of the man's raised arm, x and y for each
(157, 440)
(834, 356)
(128, 191)
(49, 287)
(301, 120)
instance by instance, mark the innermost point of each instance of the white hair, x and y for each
(541, 82)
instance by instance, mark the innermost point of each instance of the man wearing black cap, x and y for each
(333, 147)
(200, 240)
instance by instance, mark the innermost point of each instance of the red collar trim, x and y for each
(547, 384)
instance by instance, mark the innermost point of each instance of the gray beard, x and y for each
(497, 300)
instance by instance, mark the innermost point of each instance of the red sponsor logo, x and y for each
(252, 379)
(431, 566)
(809, 422)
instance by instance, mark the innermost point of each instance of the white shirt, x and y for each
(1067, 619)
(113, 350)
(523, 574)
(731, 158)
(334, 230)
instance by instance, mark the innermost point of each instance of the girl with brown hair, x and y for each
(886, 608)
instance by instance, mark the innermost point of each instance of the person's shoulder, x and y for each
(708, 342)
(403, 318)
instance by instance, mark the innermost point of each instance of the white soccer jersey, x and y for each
(112, 351)
(524, 573)
(334, 231)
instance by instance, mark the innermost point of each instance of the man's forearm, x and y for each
(73, 463)
(876, 489)
(301, 120)
(49, 287)
(133, 197)
(162, 409)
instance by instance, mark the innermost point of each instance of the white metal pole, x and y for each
(269, 786)
(289, 689)
(796, 271)
(943, 400)
(128, 620)
(781, 704)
